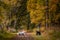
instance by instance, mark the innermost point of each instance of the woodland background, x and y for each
(28, 14)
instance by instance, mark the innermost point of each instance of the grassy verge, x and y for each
(55, 35)
(6, 36)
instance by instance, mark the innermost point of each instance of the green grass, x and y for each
(39, 38)
(51, 36)
(6, 36)
(55, 35)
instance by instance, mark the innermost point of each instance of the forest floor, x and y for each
(52, 33)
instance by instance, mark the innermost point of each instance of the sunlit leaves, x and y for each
(36, 9)
(10, 2)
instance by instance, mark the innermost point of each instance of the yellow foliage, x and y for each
(10, 2)
(36, 11)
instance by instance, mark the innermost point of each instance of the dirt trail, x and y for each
(26, 37)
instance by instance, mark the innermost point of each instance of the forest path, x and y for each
(32, 36)
(23, 37)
